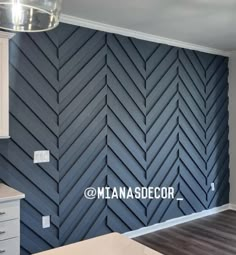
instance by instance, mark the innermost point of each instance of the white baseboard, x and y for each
(180, 220)
(232, 207)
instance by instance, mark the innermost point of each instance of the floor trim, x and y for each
(180, 220)
(232, 207)
(139, 35)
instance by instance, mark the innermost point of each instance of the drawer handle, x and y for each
(2, 213)
(2, 251)
(2, 232)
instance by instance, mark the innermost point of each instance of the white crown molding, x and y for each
(180, 220)
(139, 35)
(233, 53)
(6, 35)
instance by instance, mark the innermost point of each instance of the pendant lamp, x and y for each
(29, 15)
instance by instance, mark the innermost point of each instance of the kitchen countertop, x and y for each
(9, 194)
(112, 244)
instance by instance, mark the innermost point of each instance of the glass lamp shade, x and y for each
(29, 15)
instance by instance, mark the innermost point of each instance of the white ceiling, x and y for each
(209, 23)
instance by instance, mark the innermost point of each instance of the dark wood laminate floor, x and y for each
(214, 235)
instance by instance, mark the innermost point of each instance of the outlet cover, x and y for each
(41, 157)
(46, 221)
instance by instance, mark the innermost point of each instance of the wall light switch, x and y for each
(213, 186)
(46, 221)
(41, 157)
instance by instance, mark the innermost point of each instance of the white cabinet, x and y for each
(4, 84)
(10, 220)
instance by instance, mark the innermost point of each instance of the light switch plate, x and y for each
(41, 157)
(213, 186)
(46, 221)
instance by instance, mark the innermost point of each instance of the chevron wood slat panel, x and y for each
(203, 129)
(33, 126)
(83, 130)
(117, 112)
(162, 126)
(192, 110)
(126, 130)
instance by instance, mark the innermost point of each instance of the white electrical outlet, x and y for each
(41, 157)
(46, 221)
(213, 186)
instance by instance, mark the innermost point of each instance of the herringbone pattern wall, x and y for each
(114, 111)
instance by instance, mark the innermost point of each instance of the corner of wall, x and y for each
(232, 126)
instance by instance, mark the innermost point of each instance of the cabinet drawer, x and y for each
(10, 247)
(9, 229)
(9, 211)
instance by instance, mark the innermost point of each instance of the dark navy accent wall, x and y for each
(114, 111)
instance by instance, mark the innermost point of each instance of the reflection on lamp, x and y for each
(17, 14)
(29, 15)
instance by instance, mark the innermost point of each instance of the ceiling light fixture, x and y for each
(29, 15)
